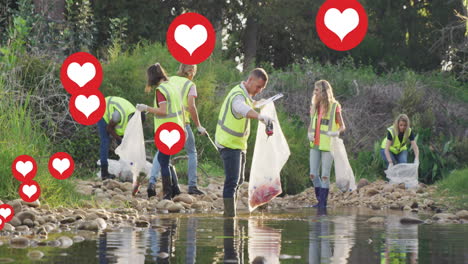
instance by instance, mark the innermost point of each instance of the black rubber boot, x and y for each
(167, 187)
(105, 173)
(229, 207)
(175, 182)
(151, 190)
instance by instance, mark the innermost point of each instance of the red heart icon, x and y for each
(61, 165)
(2, 222)
(7, 212)
(81, 72)
(24, 168)
(87, 108)
(29, 191)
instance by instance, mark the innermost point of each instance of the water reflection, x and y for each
(307, 236)
(401, 242)
(326, 246)
(264, 243)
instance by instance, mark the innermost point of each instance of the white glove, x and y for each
(333, 133)
(311, 136)
(201, 130)
(142, 107)
(265, 119)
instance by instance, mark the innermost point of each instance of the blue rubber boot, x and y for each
(323, 197)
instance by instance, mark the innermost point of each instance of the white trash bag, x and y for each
(132, 148)
(406, 173)
(270, 155)
(345, 180)
(122, 170)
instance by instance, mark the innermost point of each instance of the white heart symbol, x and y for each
(5, 212)
(169, 139)
(29, 190)
(190, 39)
(341, 23)
(87, 105)
(61, 165)
(81, 75)
(24, 167)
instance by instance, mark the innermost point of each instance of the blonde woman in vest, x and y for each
(233, 130)
(167, 108)
(394, 145)
(188, 90)
(326, 122)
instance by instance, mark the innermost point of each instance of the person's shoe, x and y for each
(105, 173)
(195, 190)
(151, 190)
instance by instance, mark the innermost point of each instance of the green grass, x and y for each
(22, 136)
(453, 189)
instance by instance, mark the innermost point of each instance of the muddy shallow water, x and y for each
(292, 236)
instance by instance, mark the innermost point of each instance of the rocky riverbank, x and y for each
(112, 207)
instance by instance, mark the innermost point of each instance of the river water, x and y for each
(292, 236)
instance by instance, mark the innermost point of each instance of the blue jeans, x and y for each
(234, 166)
(192, 160)
(402, 157)
(105, 142)
(316, 156)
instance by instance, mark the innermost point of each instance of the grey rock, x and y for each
(78, 239)
(65, 242)
(362, 182)
(35, 255)
(34, 204)
(22, 228)
(463, 214)
(28, 222)
(444, 217)
(53, 243)
(17, 205)
(411, 220)
(19, 242)
(142, 223)
(26, 215)
(68, 220)
(8, 227)
(376, 220)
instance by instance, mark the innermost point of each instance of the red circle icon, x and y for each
(87, 108)
(24, 168)
(341, 24)
(80, 72)
(29, 191)
(169, 138)
(190, 38)
(2, 222)
(7, 212)
(61, 165)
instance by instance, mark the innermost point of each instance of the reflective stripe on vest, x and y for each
(183, 84)
(233, 132)
(173, 107)
(396, 146)
(327, 124)
(124, 108)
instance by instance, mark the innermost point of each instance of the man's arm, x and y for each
(111, 130)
